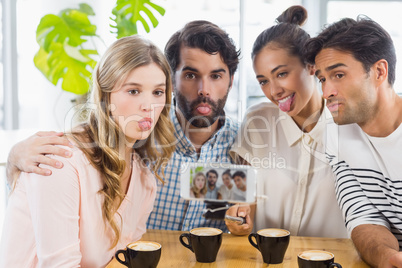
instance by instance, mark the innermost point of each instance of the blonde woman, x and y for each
(199, 186)
(101, 199)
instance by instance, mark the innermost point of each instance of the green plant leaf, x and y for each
(67, 63)
(62, 54)
(87, 9)
(128, 12)
(199, 169)
(71, 24)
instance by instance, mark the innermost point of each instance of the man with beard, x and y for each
(355, 63)
(203, 60)
(212, 177)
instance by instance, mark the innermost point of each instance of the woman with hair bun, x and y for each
(292, 171)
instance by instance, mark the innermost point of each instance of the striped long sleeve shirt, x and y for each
(368, 177)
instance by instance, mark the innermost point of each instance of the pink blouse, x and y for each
(56, 221)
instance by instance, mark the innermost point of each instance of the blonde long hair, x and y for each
(103, 134)
(198, 192)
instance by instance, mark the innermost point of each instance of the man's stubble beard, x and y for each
(199, 121)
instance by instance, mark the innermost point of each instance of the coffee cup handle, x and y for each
(334, 264)
(188, 244)
(250, 239)
(116, 255)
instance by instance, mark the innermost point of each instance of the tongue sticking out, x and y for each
(203, 110)
(285, 106)
(144, 125)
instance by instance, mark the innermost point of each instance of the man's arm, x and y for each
(377, 246)
(29, 153)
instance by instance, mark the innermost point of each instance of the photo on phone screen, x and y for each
(218, 182)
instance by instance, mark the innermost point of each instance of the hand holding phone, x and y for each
(242, 211)
(237, 220)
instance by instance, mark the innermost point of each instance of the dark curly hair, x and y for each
(364, 38)
(239, 173)
(206, 36)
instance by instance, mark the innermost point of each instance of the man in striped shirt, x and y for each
(355, 62)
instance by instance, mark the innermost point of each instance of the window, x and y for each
(43, 106)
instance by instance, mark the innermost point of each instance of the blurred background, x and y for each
(29, 102)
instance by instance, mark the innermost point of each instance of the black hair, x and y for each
(240, 174)
(206, 36)
(212, 171)
(227, 172)
(364, 38)
(286, 34)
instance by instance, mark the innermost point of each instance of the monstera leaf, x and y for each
(127, 14)
(65, 53)
(62, 54)
(69, 63)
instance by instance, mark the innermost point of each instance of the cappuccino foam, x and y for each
(316, 255)
(144, 246)
(273, 232)
(205, 231)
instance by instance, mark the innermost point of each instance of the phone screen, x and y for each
(218, 182)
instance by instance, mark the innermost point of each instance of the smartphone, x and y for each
(218, 182)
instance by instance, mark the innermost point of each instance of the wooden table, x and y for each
(236, 252)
